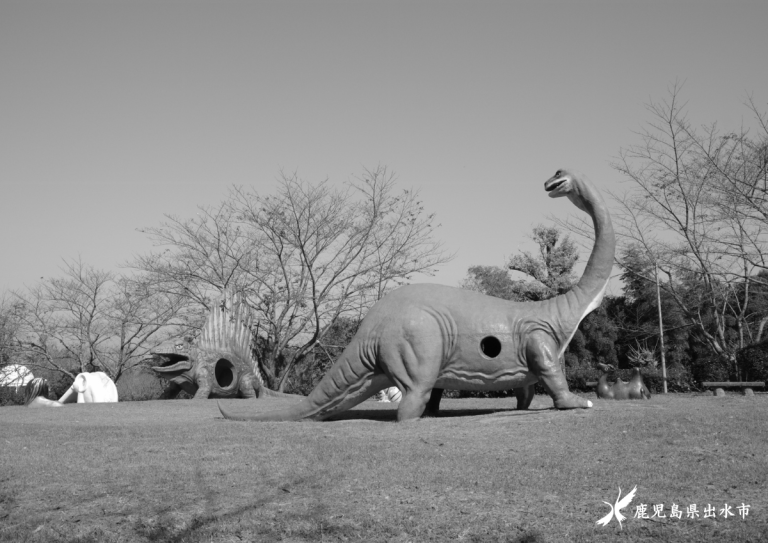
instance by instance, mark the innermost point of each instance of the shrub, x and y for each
(139, 385)
(9, 396)
(753, 362)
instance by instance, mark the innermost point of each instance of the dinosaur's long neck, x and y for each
(587, 294)
(600, 262)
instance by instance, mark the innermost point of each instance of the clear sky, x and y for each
(114, 113)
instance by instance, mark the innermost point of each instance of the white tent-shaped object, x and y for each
(15, 375)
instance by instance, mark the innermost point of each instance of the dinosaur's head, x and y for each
(170, 364)
(567, 183)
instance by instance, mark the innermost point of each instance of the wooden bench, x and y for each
(746, 386)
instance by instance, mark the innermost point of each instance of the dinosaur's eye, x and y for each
(558, 173)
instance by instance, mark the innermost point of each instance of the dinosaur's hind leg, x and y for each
(413, 367)
(413, 404)
(247, 388)
(351, 396)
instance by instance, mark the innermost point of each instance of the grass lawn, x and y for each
(176, 471)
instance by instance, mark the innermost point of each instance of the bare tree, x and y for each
(8, 329)
(303, 257)
(92, 320)
(203, 256)
(695, 205)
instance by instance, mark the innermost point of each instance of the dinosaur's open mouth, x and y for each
(549, 186)
(171, 362)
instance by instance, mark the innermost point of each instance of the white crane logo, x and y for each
(616, 509)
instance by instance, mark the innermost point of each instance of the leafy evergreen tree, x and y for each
(546, 275)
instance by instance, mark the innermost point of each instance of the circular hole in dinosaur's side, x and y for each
(490, 346)
(223, 372)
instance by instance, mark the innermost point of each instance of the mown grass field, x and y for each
(176, 471)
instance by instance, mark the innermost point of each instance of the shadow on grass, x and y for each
(317, 520)
(313, 524)
(530, 537)
(164, 530)
(390, 415)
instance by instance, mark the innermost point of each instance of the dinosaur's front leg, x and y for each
(204, 381)
(433, 405)
(542, 359)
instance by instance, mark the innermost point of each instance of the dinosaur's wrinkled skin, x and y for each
(635, 389)
(424, 337)
(220, 364)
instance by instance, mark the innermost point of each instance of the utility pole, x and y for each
(661, 329)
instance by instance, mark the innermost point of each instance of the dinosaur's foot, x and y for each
(569, 400)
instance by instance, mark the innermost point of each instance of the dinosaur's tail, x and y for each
(294, 412)
(349, 382)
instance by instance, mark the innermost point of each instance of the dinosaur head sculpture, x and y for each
(170, 364)
(575, 188)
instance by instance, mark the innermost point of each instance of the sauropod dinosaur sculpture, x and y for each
(220, 364)
(635, 389)
(422, 337)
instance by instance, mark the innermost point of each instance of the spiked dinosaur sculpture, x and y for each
(220, 364)
(424, 337)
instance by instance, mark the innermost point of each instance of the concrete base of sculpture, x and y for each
(719, 392)
(635, 389)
